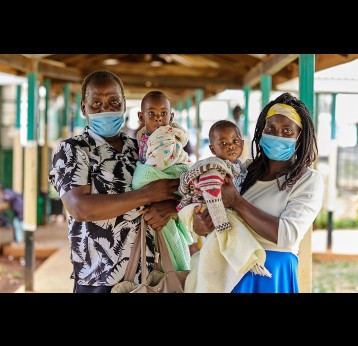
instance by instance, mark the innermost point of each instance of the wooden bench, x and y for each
(6, 236)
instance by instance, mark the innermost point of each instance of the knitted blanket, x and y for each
(175, 234)
(225, 257)
(202, 183)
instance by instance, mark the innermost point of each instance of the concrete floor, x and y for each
(53, 276)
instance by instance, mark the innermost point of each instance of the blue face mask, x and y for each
(106, 124)
(278, 148)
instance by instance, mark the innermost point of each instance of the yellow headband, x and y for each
(287, 111)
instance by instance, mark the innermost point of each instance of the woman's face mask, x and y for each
(106, 124)
(278, 148)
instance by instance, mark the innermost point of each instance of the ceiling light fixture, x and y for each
(111, 62)
(156, 63)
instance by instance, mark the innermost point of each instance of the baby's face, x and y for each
(227, 144)
(156, 113)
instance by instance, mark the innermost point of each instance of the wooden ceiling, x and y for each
(178, 75)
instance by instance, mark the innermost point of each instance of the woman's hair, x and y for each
(100, 77)
(306, 149)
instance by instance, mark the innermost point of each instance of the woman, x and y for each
(92, 174)
(281, 195)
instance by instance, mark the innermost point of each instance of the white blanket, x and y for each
(225, 257)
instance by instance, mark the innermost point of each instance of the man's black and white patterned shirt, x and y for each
(100, 249)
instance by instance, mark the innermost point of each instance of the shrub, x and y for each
(321, 222)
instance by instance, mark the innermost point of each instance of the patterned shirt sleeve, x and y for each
(70, 168)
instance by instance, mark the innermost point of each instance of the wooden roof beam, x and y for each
(21, 63)
(68, 74)
(180, 82)
(324, 61)
(270, 66)
(17, 61)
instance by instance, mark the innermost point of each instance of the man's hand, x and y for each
(163, 189)
(158, 214)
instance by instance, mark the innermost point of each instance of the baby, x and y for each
(202, 182)
(232, 249)
(161, 156)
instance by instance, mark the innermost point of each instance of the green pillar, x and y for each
(18, 106)
(306, 94)
(32, 106)
(179, 107)
(66, 121)
(199, 94)
(47, 84)
(6, 152)
(17, 159)
(43, 212)
(80, 121)
(30, 180)
(266, 85)
(306, 79)
(316, 112)
(188, 105)
(246, 110)
(230, 111)
(332, 162)
(333, 115)
(57, 119)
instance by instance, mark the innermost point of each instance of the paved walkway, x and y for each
(53, 275)
(343, 242)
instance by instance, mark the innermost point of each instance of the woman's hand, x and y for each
(202, 222)
(163, 189)
(229, 194)
(158, 214)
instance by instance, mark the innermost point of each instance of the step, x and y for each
(18, 250)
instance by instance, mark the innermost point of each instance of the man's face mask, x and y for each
(106, 124)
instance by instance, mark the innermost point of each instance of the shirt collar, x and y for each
(99, 141)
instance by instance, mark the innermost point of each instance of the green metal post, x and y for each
(32, 106)
(30, 188)
(18, 107)
(330, 209)
(47, 84)
(199, 94)
(266, 85)
(316, 112)
(333, 114)
(188, 105)
(44, 192)
(306, 79)
(306, 85)
(246, 110)
(80, 121)
(179, 107)
(17, 149)
(230, 111)
(66, 110)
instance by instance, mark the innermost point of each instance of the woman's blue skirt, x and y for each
(282, 266)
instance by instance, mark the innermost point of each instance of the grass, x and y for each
(335, 277)
(343, 223)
